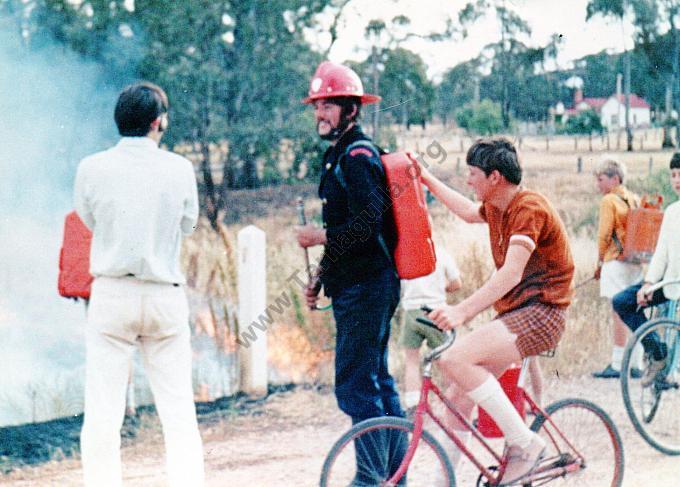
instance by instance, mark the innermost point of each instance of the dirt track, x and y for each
(283, 443)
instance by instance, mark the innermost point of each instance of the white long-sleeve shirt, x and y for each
(665, 264)
(138, 200)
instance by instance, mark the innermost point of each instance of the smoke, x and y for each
(54, 109)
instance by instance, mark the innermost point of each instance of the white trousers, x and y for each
(124, 313)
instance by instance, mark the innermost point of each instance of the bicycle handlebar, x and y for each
(661, 284)
(450, 337)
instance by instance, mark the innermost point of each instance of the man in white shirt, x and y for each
(429, 291)
(139, 201)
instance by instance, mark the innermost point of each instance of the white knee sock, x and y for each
(617, 357)
(454, 453)
(491, 397)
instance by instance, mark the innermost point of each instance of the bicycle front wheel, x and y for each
(581, 434)
(372, 451)
(653, 409)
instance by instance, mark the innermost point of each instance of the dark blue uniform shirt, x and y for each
(355, 213)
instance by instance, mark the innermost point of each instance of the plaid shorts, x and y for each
(538, 327)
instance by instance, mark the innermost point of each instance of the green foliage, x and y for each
(405, 87)
(614, 8)
(656, 183)
(481, 119)
(234, 73)
(586, 122)
(456, 89)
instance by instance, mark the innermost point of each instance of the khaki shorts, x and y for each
(413, 333)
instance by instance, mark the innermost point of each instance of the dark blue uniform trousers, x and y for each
(625, 305)
(363, 386)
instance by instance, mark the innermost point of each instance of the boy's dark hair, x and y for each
(347, 104)
(675, 161)
(495, 154)
(138, 105)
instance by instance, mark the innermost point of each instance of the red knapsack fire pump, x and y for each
(74, 259)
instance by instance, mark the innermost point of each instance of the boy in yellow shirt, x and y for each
(614, 274)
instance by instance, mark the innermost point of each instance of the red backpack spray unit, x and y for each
(414, 254)
(74, 259)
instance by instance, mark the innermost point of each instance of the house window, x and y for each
(614, 121)
(634, 120)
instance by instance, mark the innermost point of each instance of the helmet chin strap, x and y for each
(335, 133)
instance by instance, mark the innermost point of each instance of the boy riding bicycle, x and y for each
(530, 292)
(665, 266)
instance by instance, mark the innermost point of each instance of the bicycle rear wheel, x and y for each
(653, 410)
(370, 453)
(591, 440)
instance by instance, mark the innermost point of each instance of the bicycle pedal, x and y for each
(561, 460)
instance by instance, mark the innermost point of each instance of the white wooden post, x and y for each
(252, 299)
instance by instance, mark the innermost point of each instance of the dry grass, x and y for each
(301, 342)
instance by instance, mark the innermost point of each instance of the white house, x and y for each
(612, 110)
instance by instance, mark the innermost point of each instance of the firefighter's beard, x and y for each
(335, 132)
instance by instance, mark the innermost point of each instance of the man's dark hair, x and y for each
(675, 161)
(495, 154)
(347, 104)
(138, 105)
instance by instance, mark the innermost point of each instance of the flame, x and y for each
(293, 355)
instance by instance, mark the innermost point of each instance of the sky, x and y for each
(545, 17)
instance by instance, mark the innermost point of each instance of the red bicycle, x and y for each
(583, 445)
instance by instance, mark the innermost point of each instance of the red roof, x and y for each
(635, 101)
(595, 103)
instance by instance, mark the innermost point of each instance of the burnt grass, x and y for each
(57, 439)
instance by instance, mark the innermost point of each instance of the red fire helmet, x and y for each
(331, 80)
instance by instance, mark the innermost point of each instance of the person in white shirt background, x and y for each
(139, 201)
(429, 291)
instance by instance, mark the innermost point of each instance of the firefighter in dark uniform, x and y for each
(357, 270)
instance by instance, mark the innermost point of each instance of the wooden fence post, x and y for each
(579, 165)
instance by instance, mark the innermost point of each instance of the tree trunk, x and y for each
(676, 79)
(376, 79)
(208, 185)
(667, 140)
(626, 82)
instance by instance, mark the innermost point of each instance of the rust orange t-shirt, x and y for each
(531, 221)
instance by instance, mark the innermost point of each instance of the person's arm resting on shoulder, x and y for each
(465, 208)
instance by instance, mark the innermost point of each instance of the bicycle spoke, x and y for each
(653, 410)
(372, 451)
(590, 442)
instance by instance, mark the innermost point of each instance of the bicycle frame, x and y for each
(424, 409)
